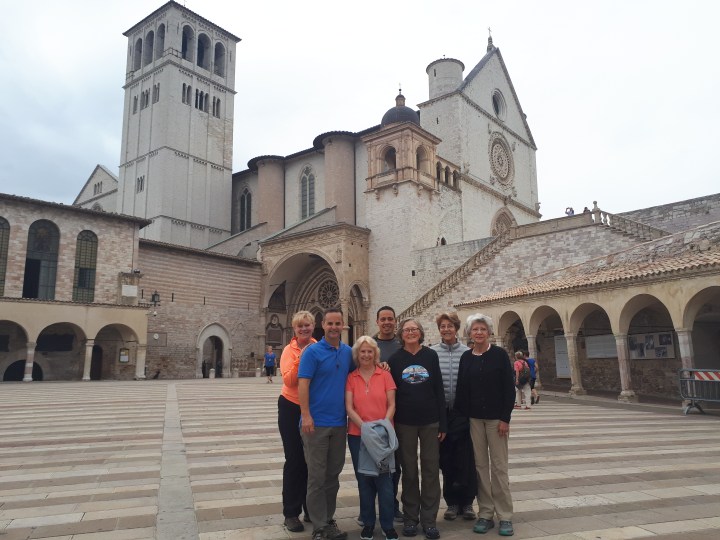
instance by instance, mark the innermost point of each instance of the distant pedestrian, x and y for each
(270, 363)
(534, 396)
(586, 210)
(569, 211)
(522, 381)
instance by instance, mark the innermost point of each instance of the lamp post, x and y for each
(155, 298)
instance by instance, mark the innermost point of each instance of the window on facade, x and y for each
(203, 51)
(219, 64)
(156, 93)
(188, 94)
(97, 188)
(439, 172)
(389, 160)
(149, 48)
(216, 107)
(140, 184)
(160, 42)
(137, 59)
(188, 43)
(85, 263)
(4, 243)
(135, 102)
(245, 210)
(41, 260)
(307, 193)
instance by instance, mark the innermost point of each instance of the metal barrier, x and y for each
(697, 385)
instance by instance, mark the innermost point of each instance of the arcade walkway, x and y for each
(179, 460)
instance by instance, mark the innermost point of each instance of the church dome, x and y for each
(400, 113)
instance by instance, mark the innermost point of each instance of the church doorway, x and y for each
(212, 357)
(318, 332)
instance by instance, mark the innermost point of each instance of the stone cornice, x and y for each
(340, 231)
(154, 152)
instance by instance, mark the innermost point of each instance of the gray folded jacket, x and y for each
(378, 443)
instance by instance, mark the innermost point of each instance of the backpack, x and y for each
(524, 375)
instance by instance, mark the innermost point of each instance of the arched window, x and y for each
(184, 93)
(307, 193)
(421, 160)
(149, 48)
(203, 51)
(137, 60)
(439, 172)
(160, 42)
(447, 175)
(188, 43)
(389, 160)
(85, 263)
(41, 260)
(4, 243)
(219, 64)
(245, 210)
(188, 95)
(456, 179)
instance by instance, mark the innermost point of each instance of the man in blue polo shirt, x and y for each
(324, 367)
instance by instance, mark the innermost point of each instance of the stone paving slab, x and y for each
(202, 459)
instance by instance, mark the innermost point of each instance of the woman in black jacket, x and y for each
(486, 394)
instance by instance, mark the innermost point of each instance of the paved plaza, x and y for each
(192, 459)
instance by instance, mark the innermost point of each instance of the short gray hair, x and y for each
(478, 318)
(402, 325)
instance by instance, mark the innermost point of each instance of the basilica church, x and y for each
(176, 266)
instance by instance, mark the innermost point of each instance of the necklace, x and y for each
(481, 353)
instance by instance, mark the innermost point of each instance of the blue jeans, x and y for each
(369, 487)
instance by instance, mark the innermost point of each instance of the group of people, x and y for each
(386, 398)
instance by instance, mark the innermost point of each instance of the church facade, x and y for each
(432, 208)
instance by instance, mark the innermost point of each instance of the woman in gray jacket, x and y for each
(456, 452)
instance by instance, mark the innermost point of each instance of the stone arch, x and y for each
(502, 222)
(60, 351)
(387, 159)
(702, 317)
(213, 330)
(581, 312)
(636, 304)
(422, 160)
(283, 271)
(511, 330)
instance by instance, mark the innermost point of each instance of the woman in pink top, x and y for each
(295, 468)
(370, 395)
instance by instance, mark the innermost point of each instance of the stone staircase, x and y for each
(480, 258)
(627, 226)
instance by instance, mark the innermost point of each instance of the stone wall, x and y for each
(198, 289)
(679, 216)
(527, 257)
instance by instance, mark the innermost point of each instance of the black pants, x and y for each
(457, 463)
(295, 470)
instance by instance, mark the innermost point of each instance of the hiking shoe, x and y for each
(333, 532)
(468, 513)
(452, 512)
(506, 528)
(431, 533)
(483, 525)
(367, 533)
(399, 518)
(410, 529)
(319, 534)
(293, 524)
(359, 521)
(391, 534)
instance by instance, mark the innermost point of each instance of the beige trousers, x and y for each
(491, 463)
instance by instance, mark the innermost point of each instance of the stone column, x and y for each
(686, 347)
(29, 360)
(345, 334)
(532, 353)
(626, 392)
(88, 359)
(140, 362)
(576, 388)
(198, 363)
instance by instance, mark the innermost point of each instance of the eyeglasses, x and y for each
(411, 330)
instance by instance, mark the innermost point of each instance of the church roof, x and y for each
(689, 251)
(400, 113)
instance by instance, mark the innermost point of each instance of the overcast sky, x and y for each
(622, 97)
